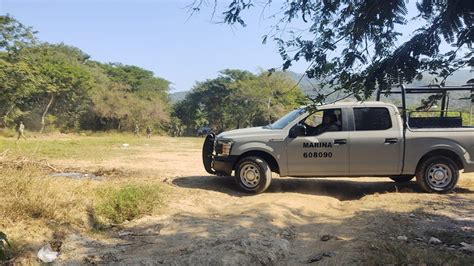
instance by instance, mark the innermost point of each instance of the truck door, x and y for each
(376, 143)
(324, 149)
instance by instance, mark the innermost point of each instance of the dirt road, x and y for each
(335, 221)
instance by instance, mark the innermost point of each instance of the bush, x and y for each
(7, 132)
(3, 246)
(128, 202)
(29, 194)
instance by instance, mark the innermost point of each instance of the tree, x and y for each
(58, 84)
(238, 99)
(128, 95)
(17, 78)
(137, 79)
(354, 46)
(263, 99)
(14, 35)
(18, 83)
(64, 80)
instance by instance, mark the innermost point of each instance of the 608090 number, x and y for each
(317, 154)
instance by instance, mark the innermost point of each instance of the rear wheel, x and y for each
(402, 178)
(253, 174)
(437, 174)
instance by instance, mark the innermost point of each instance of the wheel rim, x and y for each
(250, 175)
(439, 176)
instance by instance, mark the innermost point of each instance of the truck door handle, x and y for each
(276, 140)
(391, 141)
(340, 141)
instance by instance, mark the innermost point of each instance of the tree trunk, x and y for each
(4, 117)
(43, 123)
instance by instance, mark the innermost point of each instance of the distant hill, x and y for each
(311, 87)
(178, 96)
(459, 77)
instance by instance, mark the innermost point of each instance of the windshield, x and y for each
(285, 120)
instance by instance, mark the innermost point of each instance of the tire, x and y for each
(253, 175)
(437, 174)
(402, 178)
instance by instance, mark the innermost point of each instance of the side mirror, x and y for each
(297, 130)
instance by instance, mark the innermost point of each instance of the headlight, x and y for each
(223, 147)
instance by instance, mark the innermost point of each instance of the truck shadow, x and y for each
(341, 188)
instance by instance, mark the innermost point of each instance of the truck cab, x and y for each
(341, 139)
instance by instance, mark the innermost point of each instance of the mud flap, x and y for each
(207, 150)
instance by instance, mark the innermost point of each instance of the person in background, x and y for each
(21, 131)
(136, 130)
(148, 132)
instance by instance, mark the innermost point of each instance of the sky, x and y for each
(157, 35)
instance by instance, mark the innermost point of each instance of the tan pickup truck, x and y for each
(345, 139)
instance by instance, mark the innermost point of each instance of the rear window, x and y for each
(372, 118)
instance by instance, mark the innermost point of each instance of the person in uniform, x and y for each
(21, 131)
(328, 124)
(136, 130)
(148, 132)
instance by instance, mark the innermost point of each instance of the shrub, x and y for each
(128, 202)
(7, 132)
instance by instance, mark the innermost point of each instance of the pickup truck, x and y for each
(339, 140)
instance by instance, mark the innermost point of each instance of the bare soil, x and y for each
(207, 221)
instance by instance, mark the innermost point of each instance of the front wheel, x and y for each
(253, 174)
(437, 174)
(402, 178)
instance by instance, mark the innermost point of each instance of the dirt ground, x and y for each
(207, 221)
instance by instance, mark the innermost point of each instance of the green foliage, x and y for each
(18, 81)
(14, 35)
(128, 202)
(135, 77)
(120, 103)
(355, 47)
(58, 85)
(4, 244)
(238, 99)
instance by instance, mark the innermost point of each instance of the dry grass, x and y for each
(36, 208)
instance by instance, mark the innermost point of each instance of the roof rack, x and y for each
(428, 89)
(403, 90)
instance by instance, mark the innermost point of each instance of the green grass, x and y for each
(95, 147)
(128, 202)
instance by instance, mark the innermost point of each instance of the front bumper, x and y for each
(224, 165)
(216, 165)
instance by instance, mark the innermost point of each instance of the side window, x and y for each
(323, 121)
(372, 118)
